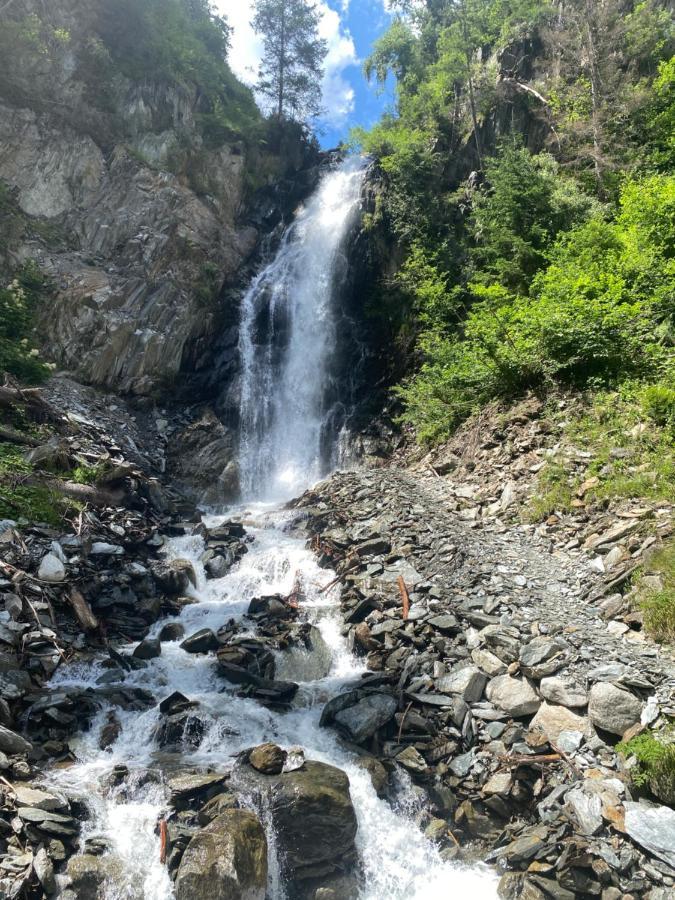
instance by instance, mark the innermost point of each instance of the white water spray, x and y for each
(286, 341)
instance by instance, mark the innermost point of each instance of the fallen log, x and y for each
(10, 436)
(405, 597)
(83, 611)
(162, 841)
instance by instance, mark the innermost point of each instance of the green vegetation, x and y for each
(531, 270)
(18, 301)
(20, 495)
(159, 41)
(656, 594)
(655, 755)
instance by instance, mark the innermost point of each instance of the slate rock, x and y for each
(150, 648)
(467, 681)
(653, 828)
(51, 569)
(550, 721)
(362, 720)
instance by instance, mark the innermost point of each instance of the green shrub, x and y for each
(20, 497)
(658, 603)
(655, 768)
(18, 301)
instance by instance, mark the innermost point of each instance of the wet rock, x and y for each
(267, 690)
(195, 789)
(88, 874)
(26, 795)
(613, 709)
(218, 565)
(180, 729)
(216, 807)
(516, 697)
(174, 577)
(226, 860)
(150, 648)
(377, 772)
(312, 815)
(173, 631)
(11, 742)
(110, 732)
(412, 760)
(267, 758)
(202, 641)
(51, 569)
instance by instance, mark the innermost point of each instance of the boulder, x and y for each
(202, 641)
(88, 873)
(312, 815)
(226, 860)
(51, 569)
(563, 691)
(550, 721)
(362, 719)
(174, 577)
(150, 648)
(514, 696)
(468, 681)
(267, 758)
(172, 631)
(11, 742)
(613, 709)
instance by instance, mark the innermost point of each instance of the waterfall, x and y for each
(287, 344)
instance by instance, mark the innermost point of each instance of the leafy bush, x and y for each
(600, 312)
(17, 305)
(20, 496)
(658, 603)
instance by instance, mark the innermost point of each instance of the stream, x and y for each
(398, 862)
(289, 437)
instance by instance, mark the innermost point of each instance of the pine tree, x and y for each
(291, 69)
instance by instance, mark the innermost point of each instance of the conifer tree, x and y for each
(291, 69)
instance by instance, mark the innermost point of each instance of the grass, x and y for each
(20, 499)
(658, 603)
(631, 453)
(655, 755)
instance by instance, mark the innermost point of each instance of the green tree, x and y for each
(291, 68)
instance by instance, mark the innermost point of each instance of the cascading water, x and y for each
(287, 341)
(283, 414)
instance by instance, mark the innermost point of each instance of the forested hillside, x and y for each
(529, 190)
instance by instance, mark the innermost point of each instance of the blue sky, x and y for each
(350, 27)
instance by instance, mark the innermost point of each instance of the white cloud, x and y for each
(246, 50)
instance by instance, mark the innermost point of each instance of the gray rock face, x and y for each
(613, 709)
(516, 697)
(226, 860)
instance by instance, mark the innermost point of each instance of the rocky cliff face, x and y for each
(140, 222)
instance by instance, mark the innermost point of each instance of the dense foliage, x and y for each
(17, 304)
(527, 180)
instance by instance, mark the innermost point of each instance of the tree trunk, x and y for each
(282, 63)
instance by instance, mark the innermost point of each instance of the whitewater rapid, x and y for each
(398, 862)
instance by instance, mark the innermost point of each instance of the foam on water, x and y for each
(398, 862)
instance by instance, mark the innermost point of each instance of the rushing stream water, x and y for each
(284, 414)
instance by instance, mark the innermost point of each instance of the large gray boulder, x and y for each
(516, 697)
(312, 815)
(11, 742)
(226, 860)
(359, 715)
(613, 709)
